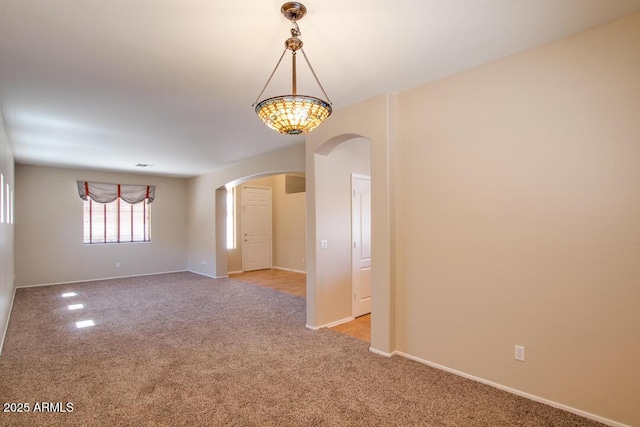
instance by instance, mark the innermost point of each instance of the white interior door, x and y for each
(256, 227)
(361, 248)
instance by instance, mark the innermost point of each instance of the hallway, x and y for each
(295, 283)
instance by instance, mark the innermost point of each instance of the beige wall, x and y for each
(518, 221)
(201, 203)
(288, 227)
(49, 246)
(6, 235)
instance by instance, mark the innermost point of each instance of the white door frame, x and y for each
(360, 267)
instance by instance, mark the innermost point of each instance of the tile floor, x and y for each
(295, 283)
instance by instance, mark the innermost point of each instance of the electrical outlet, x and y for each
(519, 354)
(117, 265)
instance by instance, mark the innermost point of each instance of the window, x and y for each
(1, 198)
(116, 222)
(6, 202)
(231, 218)
(116, 213)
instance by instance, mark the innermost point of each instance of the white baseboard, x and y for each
(332, 324)
(207, 275)
(289, 269)
(337, 322)
(6, 326)
(380, 352)
(510, 390)
(97, 280)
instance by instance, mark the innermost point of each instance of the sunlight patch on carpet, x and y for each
(84, 324)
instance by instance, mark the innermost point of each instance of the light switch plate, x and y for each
(519, 353)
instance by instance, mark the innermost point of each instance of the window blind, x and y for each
(107, 193)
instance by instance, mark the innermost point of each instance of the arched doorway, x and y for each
(286, 220)
(335, 198)
(372, 119)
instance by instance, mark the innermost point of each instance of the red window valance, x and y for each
(107, 193)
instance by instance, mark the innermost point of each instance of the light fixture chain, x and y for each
(315, 76)
(295, 29)
(271, 76)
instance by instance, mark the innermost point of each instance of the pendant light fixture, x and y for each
(293, 114)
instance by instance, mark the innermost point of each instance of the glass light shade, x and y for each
(293, 114)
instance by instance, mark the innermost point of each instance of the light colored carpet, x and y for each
(183, 349)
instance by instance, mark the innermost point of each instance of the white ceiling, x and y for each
(108, 84)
